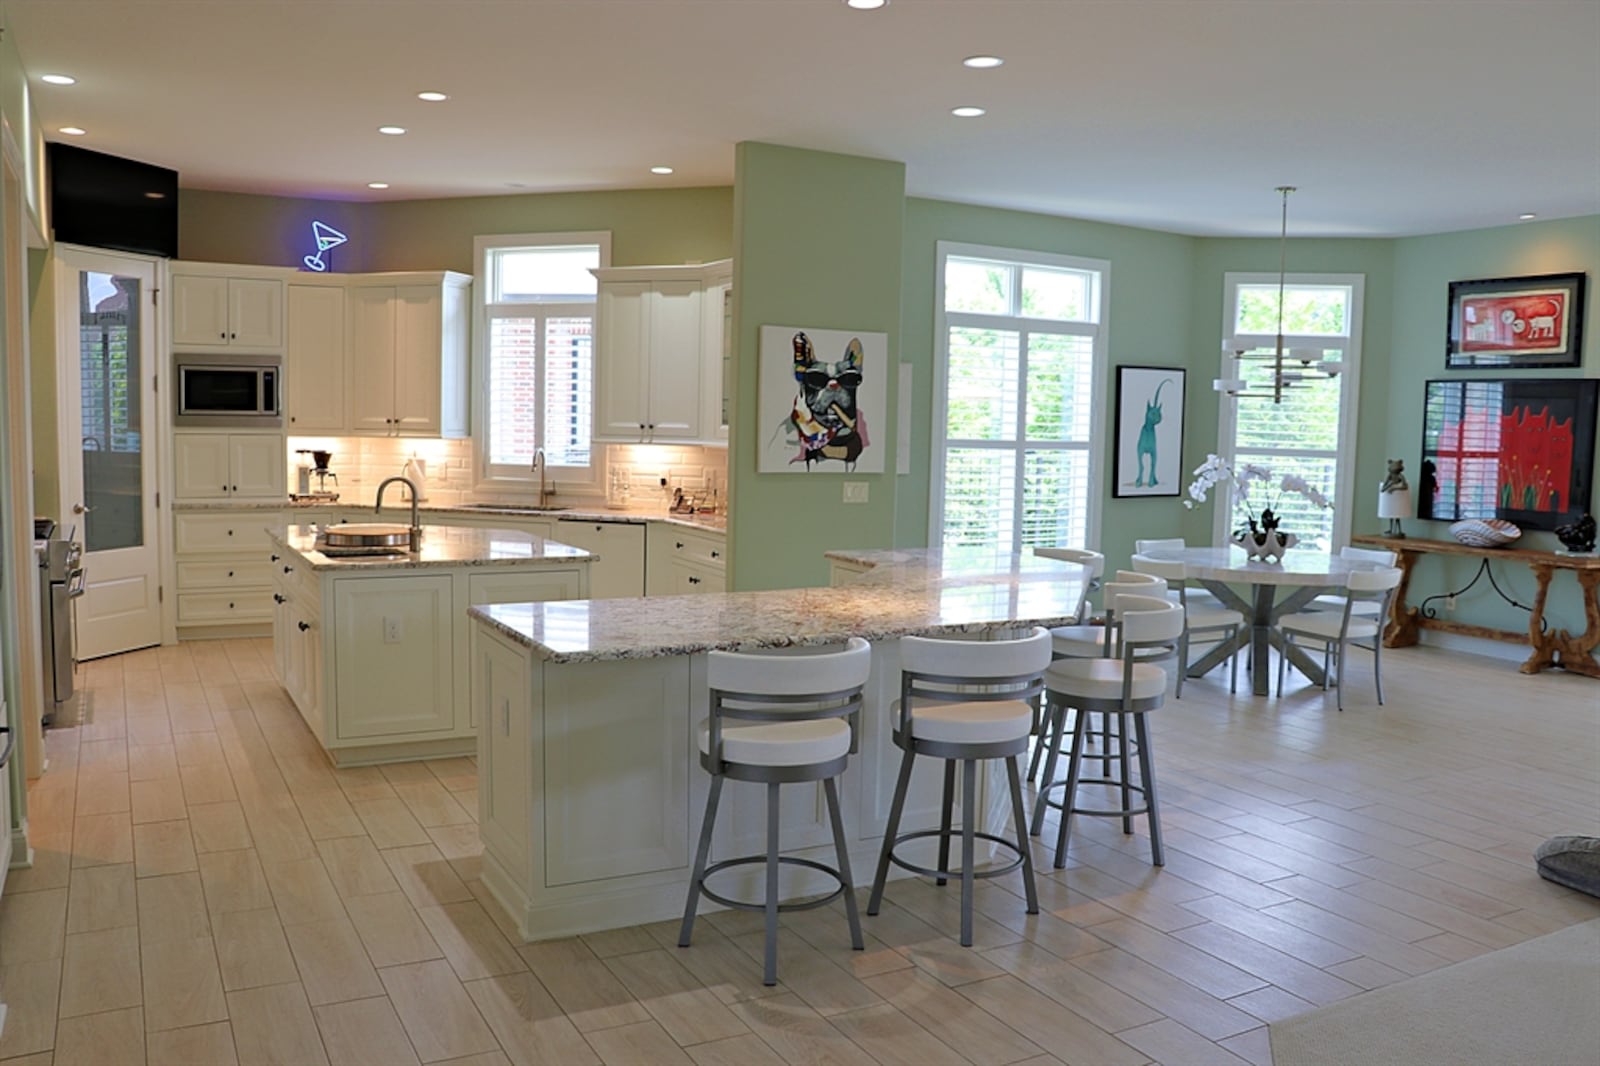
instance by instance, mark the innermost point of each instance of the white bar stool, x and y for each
(1123, 688)
(811, 708)
(961, 701)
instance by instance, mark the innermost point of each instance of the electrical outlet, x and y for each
(855, 492)
(393, 631)
(1449, 603)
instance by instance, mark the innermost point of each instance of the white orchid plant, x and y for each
(1216, 471)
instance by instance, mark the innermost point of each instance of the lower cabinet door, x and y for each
(394, 669)
(505, 801)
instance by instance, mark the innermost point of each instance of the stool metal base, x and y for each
(772, 860)
(1146, 788)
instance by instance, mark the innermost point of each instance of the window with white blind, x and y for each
(1018, 375)
(536, 358)
(1312, 431)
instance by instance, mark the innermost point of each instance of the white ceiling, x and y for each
(1393, 117)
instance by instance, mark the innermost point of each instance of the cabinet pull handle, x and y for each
(278, 599)
(223, 335)
(677, 544)
(236, 488)
(233, 336)
(230, 606)
(716, 555)
(230, 532)
(288, 569)
(274, 558)
(230, 573)
(694, 581)
(303, 626)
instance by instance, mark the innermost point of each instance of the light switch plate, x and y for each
(855, 492)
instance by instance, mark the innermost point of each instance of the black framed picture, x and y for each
(1149, 431)
(1511, 448)
(1516, 322)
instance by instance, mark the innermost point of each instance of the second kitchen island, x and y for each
(589, 784)
(373, 649)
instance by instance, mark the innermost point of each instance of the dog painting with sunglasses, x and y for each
(825, 422)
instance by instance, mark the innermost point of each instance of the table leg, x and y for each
(1544, 644)
(1401, 630)
(1577, 653)
(1260, 633)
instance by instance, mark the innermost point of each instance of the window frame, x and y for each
(575, 480)
(1098, 331)
(1345, 473)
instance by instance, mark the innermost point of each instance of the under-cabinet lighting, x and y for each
(392, 131)
(433, 97)
(73, 131)
(967, 112)
(59, 79)
(982, 62)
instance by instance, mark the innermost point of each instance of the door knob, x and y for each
(79, 508)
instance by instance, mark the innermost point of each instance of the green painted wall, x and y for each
(17, 115)
(1149, 325)
(818, 243)
(647, 227)
(1423, 269)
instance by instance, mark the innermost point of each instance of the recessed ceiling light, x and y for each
(152, 195)
(661, 170)
(866, 5)
(377, 185)
(1526, 215)
(59, 79)
(73, 131)
(982, 62)
(966, 112)
(393, 131)
(432, 97)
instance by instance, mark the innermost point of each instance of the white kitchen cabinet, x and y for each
(217, 311)
(314, 362)
(658, 369)
(395, 673)
(620, 569)
(406, 370)
(680, 560)
(228, 466)
(224, 578)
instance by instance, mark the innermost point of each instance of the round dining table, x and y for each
(1276, 589)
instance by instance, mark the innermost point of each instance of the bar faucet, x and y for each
(539, 464)
(416, 519)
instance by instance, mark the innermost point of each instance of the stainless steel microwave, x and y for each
(229, 390)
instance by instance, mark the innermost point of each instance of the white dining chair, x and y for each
(1196, 596)
(1334, 601)
(1209, 622)
(1337, 633)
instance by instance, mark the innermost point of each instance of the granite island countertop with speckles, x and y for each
(907, 592)
(442, 546)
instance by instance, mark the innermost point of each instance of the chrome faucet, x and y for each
(416, 518)
(539, 464)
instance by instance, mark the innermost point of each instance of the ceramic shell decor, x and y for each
(1485, 532)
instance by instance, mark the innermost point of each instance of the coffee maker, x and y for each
(317, 468)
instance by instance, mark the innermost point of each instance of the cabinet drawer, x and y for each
(246, 605)
(705, 549)
(243, 531)
(223, 573)
(689, 577)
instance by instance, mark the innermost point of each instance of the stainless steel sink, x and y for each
(516, 508)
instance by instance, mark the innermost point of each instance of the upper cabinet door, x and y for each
(371, 373)
(315, 362)
(200, 466)
(199, 310)
(675, 362)
(622, 364)
(256, 462)
(255, 312)
(418, 357)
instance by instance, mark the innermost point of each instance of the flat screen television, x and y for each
(105, 201)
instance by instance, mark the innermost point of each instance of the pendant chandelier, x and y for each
(1290, 366)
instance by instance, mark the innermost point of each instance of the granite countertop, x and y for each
(441, 546)
(908, 593)
(395, 511)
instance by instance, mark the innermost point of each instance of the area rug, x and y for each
(1535, 1002)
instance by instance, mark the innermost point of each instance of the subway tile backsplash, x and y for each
(361, 463)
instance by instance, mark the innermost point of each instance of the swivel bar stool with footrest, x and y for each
(1123, 688)
(961, 701)
(809, 709)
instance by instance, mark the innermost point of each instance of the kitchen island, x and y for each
(590, 786)
(373, 649)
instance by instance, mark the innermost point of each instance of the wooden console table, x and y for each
(1556, 648)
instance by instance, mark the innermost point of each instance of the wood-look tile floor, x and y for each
(206, 889)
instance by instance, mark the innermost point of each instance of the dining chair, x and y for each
(1333, 601)
(1337, 633)
(1210, 622)
(1161, 544)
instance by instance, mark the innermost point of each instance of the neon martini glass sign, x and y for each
(326, 237)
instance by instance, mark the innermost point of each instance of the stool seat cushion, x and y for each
(799, 743)
(980, 722)
(1080, 642)
(1325, 625)
(1101, 679)
(1212, 616)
